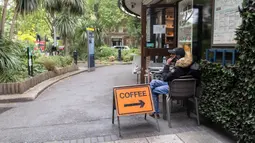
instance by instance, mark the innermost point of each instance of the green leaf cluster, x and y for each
(104, 52)
(228, 96)
(12, 63)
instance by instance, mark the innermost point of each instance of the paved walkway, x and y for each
(78, 109)
(186, 137)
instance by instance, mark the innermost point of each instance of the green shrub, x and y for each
(112, 58)
(48, 63)
(52, 62)
(68, 60)
(62, 61)
(38, 68)
(105, 52)
(129, 54)
(9, 76)
(228, 101)
(65, 61)
(9, 55)
(12, 66)
(135, 51)
(126, 59)
(228, 96)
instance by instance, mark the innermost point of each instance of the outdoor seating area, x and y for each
(156, 42)
(181, 90)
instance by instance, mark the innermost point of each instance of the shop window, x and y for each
(169, 20)
(185, 22)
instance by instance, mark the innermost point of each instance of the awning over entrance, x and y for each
(134, 7)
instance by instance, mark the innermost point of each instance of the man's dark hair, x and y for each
(179, 52)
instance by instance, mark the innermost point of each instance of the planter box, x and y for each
(21, 87)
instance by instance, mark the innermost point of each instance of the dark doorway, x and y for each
(116, 41)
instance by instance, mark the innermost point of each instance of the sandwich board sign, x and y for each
(132, 100)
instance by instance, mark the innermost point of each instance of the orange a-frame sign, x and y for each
(130, 100)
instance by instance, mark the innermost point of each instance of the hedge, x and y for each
(228, 96)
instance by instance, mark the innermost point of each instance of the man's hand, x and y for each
(170, 60)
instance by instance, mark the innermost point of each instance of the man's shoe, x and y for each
(153, 115)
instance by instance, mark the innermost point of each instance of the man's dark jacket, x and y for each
(178, 72)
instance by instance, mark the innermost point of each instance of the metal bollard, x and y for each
(75, 56)
(119, 54)
(30, 62)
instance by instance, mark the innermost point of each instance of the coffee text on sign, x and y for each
(133, 94)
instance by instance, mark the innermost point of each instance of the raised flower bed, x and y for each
(21, 87)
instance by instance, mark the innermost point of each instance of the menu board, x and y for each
(226, 20)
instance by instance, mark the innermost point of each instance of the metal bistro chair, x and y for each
(153, 72)
(182, 89)
(136, 63)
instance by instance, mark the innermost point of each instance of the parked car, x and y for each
(121, 47)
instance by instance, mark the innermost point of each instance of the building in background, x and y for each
(119, 36)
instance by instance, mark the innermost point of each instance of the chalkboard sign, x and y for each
(226, 20)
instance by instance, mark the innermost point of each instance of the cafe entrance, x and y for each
(167, 24)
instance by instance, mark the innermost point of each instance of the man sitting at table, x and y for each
(181, 58)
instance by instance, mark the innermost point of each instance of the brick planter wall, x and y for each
(21, 87)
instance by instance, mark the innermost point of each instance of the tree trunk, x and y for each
(3, 18)
(66, 46)
(15, 16)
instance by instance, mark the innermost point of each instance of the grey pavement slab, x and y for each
(198, 137)
(137, 140)
(80, 141)
(80, 107)
(164, 139)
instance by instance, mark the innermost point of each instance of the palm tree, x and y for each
(3, 18)
(61, 12)
(75, 7)
(23, 7)
(65, 25)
